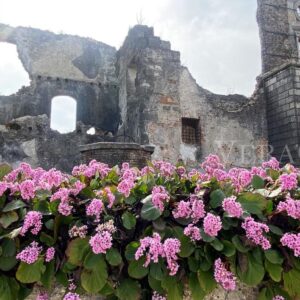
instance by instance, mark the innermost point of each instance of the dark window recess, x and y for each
(190, 131)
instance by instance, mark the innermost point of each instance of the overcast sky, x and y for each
(218, 39)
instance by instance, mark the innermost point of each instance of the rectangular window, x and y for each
(190, 131)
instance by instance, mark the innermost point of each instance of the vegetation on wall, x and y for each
(154, 233)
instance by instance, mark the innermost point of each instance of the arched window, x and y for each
(12, 73)
(63, 114)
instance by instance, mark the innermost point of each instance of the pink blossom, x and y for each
(198, 209)
(154, 246)
(125, 187)
(193, 232)
(65, 208)
(49, 254)
(3, 187)
(254, 232)
(80, 231)
(183, 210)
(95, 208)
(259, 172)
(292, 241)
(171, 248)
(211, 163)
(291, 206)
(278, 298)
(232, 207)
(42, 295)
(62, 194)
(33, 221)
(50, 179)
(30, 254)
(27, 189)
(240, 178)
(107, 226)
(212, 224)
(159, 197)
(165, 168)
(147, 170)
(78, 186)
(101, 242)
(157, 296)
(107, 193)
(273, 163)
(71, 296)
(288, 181)
(223, 276)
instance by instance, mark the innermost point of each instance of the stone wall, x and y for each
(116, 153)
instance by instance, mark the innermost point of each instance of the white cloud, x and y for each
(218, 39)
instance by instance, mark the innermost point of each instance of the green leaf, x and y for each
(173, 288)
(113, 257)
(9, 288)
(13, 205)
(130, 200)
(207, 281)
(4, 170)
(48, 276)
(47, 239)
(216, 198)
(128, 290)
(43, 206)
(229, 249)
(76, 251)
(149, 212)
(128, 220)
(193, 264)
(274, 256)
(274, 271)
(217, 244)
(250, 269)
(155, 284)
(8, 247)
(8, 218)
(94, 276)
(276, 230)
(194, 285)
(7, 263)
(252, 203)
(130, 250)
(136, 269)
(30, 273)
(257, 182)
(291, 281)
(157, 270)
(239, 245)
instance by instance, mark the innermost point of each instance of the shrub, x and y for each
(141, 234)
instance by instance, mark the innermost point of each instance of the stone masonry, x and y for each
(142, 94)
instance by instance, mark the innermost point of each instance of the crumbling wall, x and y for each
(164, 92)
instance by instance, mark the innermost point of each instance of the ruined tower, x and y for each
(279, 25)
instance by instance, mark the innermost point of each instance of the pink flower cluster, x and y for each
(128, 178)
(232, 207)
(64, 207)
(49, 254)
(193, 232)
(157, 296)
(95, 209)
(159, 197)
(106, 193)
(102, 240)
(92, 169)
(255, 232)
(51, 179)
(291, 206)
(27, 189)
(288, 181)
(30, 254)
(212, 224)
(273, 163)
(240, 178)
(3, 187)
(223, 276)
(80, 231)
(71, 296)
(165, 168)
(292, 241)
(278, 298)
(169, 250)
(193, 208)
(33, 221)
